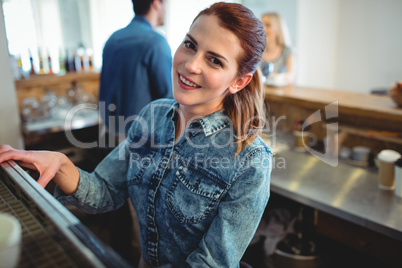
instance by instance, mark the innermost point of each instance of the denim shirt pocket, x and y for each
(194, 194)
(140, 161)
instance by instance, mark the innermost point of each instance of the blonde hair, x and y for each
(277, 21)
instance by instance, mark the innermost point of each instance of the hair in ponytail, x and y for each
(247, 110)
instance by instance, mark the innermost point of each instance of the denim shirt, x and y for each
(136, 69)
(198, 203)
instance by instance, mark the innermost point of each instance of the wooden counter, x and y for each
(350, 103)
(52, 80)
(368, 120)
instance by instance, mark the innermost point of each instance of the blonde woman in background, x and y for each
(277, 60)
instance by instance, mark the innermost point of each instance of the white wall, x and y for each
(9, 116)
(352, 45)
(317, 35)
(369, 44)
(118, 14)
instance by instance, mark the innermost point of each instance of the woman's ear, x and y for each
(240, 83)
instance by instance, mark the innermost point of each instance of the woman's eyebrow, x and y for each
(210, 52)
(218, 56)
(192, 39)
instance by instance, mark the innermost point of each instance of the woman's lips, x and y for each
(187, 83)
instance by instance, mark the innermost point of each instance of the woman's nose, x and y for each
(193, 64)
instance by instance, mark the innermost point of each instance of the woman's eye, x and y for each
(189, 44)
(216, 62)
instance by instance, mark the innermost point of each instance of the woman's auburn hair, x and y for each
(246, 107)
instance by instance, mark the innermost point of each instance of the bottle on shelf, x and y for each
(76, 62)
(69, 61)
(41, 69)
(62, 62)
(49, 61)
(91, 67)
(79, 59)
(32, 72)
(88, 60)
(20, 70)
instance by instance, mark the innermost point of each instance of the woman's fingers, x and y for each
(50, 165)
(47, 170)
(23, 158)
(44, 179)
(41, 161)
(9, 153)
(3, 150)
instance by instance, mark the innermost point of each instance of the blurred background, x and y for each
(345, 50)
(352, 45)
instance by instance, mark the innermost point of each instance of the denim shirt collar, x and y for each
(210, 124)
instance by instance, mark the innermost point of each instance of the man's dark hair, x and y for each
(141, 7)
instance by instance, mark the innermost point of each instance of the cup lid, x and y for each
(388, 156)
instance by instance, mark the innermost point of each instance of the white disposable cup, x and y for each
(10, 239)
(386, 172)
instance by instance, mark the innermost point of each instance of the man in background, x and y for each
(136, 68)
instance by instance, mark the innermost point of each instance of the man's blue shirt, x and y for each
(137, 64)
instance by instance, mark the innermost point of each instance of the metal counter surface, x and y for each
(78, 117)
(345, 191)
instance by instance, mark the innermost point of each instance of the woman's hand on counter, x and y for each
(50, 165)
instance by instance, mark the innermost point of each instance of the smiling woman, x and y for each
(192, 210)
(224, 60)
